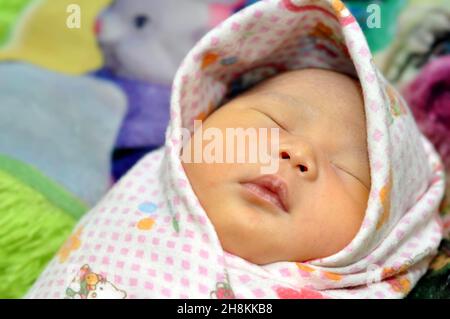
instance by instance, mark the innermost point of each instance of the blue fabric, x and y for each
(144, 126)
(63, 125)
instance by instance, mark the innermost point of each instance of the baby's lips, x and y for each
(276, 185)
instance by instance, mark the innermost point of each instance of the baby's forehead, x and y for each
(326, 90)
(314, 79)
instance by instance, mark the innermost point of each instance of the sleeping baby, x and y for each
(347, 207)
(322, 153)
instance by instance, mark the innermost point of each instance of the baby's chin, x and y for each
(266, 244)
(244, 239)
(260, 256)
(255, 256)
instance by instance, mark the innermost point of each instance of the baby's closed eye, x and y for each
(279, 123)
(345, 168)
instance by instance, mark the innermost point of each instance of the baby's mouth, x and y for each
(270, 188)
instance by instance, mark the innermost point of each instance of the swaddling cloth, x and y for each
(150, 237)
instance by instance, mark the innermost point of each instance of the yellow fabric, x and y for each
(41, 37)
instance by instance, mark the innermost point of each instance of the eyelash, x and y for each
(347, 172)
(340, 168)
(272, 119)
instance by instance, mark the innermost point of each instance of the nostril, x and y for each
(303, 168)
(285, 155)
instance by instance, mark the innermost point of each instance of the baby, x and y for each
(323, 181)
(349, 211)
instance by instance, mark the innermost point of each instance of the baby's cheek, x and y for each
(239, 229)
(325, 221)
(340, 225)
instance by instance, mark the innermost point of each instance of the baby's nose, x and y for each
(301, 157)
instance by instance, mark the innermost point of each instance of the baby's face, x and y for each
(313, 206)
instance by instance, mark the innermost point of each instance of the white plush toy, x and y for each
(146, 40)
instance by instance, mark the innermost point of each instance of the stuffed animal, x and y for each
(146, 40)
(35, 31)
(143, 42)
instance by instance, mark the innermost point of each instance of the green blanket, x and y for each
(36, 216)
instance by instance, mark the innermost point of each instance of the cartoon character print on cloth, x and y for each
(396, 276)
(322, 40)
(90, 285)
(399, 234)
(343, 14)
(147, 223)
(223, 290)
(289, 293)
(72, 244)
(148, 208)
(392, 100)
(385, 199)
